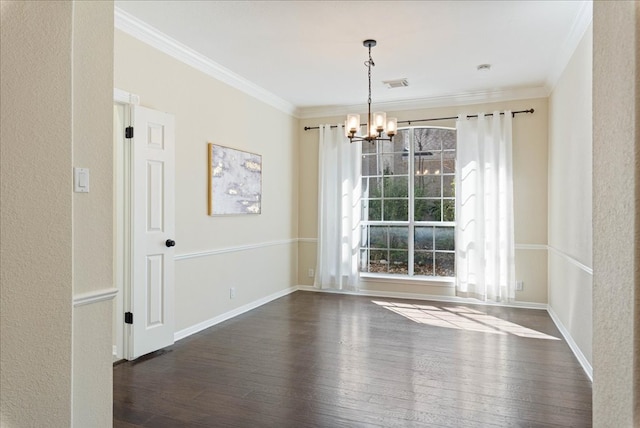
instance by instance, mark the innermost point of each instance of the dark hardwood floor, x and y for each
(326, 360)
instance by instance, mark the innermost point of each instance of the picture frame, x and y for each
(234, 181)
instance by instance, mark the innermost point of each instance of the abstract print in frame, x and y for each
(235, 181)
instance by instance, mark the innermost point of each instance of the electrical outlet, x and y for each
(311, 273)
(519, 285)
(232, 293)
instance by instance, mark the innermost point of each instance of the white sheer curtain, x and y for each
(339, 171)
(485, 260)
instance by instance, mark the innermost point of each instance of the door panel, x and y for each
(152, 205)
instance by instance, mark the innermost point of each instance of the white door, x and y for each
(151, 322)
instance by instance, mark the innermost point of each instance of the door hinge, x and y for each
(128, 317)
(128, 132)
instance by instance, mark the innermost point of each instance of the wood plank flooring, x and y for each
(327, 360)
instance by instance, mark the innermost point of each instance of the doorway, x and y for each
(144, 225)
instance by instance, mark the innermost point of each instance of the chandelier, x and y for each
(377, 123)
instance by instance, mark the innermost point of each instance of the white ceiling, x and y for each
(310, 53)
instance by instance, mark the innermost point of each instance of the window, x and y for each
(408, 204)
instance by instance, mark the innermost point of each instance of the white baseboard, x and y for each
(432, 297)
(572, 344)
(179, 335)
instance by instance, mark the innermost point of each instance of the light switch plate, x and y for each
(81, 180)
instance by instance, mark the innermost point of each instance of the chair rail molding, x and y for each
(571, 259)
(234, 249)
(96, 296)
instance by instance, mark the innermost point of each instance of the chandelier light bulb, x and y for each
(392, 126)
(353, 123)
(380, 120)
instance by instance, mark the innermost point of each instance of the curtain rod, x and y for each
(513, 114)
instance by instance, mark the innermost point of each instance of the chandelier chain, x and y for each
(369, 64)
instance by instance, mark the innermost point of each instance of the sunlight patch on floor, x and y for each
(460, 318)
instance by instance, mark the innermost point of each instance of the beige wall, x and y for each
(530, 197)
(36, 315)
(54, 92)
(616, 214)
(570, 200)
(207, 110)
(93, 211)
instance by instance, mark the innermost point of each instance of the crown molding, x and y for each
(579, 27)
(142, 31)
(509, 94)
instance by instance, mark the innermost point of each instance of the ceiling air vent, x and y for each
(398, 83)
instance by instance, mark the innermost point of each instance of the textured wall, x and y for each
(92, 366)
(36, 215)
(616, 214)
(93, 211)
(207, 110)
(570, 197)
(530, 196)
(57, 91)
(93, 144)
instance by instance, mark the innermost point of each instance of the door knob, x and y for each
(170, 243)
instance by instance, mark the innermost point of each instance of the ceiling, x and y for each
(310, 53)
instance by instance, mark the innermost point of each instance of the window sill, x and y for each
(448, 281)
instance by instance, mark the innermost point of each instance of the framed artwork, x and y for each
(235, 181)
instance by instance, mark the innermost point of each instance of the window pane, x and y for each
(423, 263)
(396, 187)
(387, 147)
(448, 137)
(426, 139)
(427, 186)
(370, 165)
(396, 210)
(399, 262)
(374, 187)
(378, 237)
(427, 209)
(400, 165)
(372, 209)
(449, 162)
(401, 141)
(423, 238)
(386, 165)
(378, 261)
(399, 237)
(445, 264)
(444, 238)
(394, 164)
(448, 189)
(426, 165)
(449, 210)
